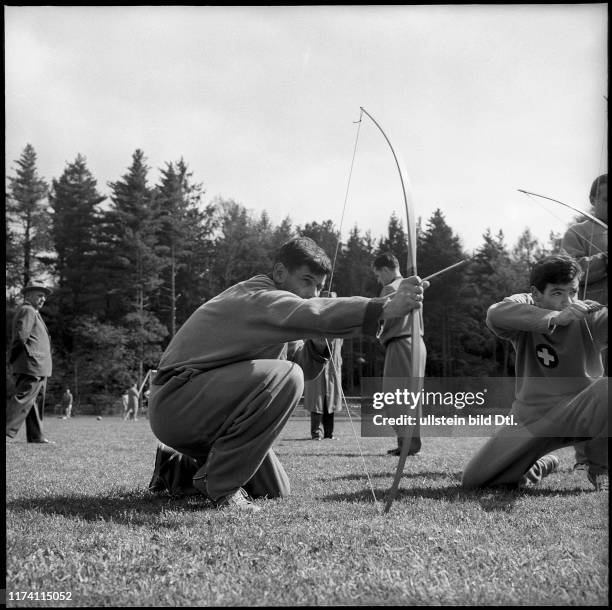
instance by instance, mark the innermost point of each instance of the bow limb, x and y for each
(416, 375)
(596, 220)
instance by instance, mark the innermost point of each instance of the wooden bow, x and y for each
(416, 322)
(596, 220)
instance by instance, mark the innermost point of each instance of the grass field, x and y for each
(80, 520)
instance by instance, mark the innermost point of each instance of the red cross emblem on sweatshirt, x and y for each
(547, 356)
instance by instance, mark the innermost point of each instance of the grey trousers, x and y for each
(505, 457)
(596, 449)
(27, 404)
(227, 419)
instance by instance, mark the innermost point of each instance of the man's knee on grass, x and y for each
(288, 380)
(471, 478)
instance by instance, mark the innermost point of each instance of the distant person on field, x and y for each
(30, 360)
(132, 410)
(67, 403)
(125, 403)
(234, 372)
(395, 335)
(323, 394)
(561, 393)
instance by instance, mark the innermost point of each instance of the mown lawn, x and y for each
(80, 520)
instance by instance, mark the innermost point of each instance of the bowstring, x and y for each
(350, 417)
(570, 228)
(331, 277)
(348, 185)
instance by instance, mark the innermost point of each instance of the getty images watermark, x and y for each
(401, 399)
(462, 406)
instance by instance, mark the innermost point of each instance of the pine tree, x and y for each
(324, 234)
(396, 243)
(489, 278)
(282, 233)
(131, 239)
(440, 248)
(28, 220)
(182, 242)
(262, 245)
(354, 273)
(525, 253)
(231, 260)
(75, 229)
(363, 355)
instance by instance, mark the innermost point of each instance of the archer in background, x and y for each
(561, 392)
(323, 394)
(395, 337)
(587, 242)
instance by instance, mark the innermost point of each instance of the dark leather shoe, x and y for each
(397, 451)
(43, 440)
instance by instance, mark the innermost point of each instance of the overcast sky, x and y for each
(261, 102)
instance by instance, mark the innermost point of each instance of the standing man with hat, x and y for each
(30, 359)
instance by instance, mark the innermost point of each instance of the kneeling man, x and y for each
(561, 393)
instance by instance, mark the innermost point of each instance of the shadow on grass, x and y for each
(407, 475)
(146, 509)
(333, 454)
(296, 440)
(490, 500)
(503, 499)
(133, 508)
(448, 493)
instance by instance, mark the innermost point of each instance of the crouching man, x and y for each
(232, 375)
(561, 393)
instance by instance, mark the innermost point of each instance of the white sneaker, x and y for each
(542, 468)
(238, 499)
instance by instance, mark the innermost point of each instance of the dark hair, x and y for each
(303, 251)
(386, 259)
(603, 179)
(555, 269)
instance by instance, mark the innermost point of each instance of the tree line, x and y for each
(129, 267)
